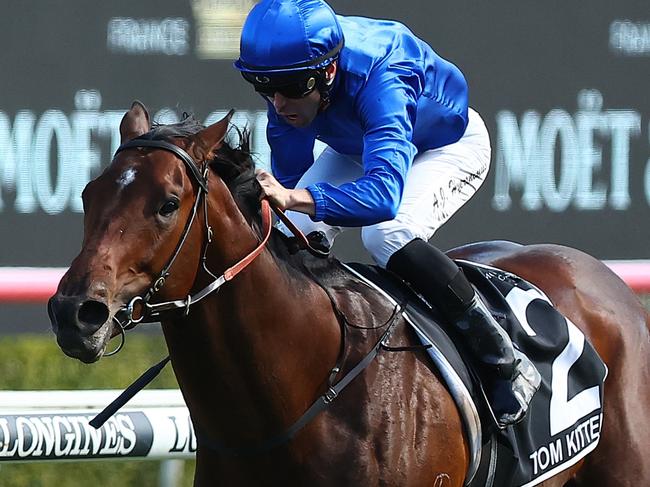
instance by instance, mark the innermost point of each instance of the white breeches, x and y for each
(439, 182)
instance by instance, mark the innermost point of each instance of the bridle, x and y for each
(139, 309)
(150, 312)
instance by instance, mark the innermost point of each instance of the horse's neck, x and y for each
(259, 350)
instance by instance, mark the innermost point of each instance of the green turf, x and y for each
(35, 363)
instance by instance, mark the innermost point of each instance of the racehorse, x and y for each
(253, 355)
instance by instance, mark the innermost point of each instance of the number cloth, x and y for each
(565, 416)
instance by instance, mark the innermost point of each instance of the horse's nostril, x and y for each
(93, 313)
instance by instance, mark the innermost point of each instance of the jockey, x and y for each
(404, 153)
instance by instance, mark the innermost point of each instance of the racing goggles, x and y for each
(291, 86)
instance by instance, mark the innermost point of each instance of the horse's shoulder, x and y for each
(342, 286)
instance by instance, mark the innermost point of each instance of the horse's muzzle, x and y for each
(76, 322)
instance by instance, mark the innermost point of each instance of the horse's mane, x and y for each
(235, 165)
(232, 163)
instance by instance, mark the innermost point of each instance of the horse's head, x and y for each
(137, 212)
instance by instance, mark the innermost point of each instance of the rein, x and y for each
(139, 310)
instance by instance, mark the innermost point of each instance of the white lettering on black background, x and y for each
(53, 436)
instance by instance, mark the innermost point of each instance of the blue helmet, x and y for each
(284, 36)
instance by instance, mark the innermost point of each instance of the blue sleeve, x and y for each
(292, 150)
(387, 107)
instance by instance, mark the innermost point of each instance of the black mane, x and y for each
(187, 127)
(233, 164)
(236, 168)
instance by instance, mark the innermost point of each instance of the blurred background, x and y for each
(562, 86)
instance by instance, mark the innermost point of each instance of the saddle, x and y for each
(564, 419)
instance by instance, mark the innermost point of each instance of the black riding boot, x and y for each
(509, 377)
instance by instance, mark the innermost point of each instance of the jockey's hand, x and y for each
(286, 199)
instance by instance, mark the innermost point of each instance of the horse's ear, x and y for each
(208, 140)
(135, 122)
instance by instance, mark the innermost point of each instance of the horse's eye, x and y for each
(169, 207)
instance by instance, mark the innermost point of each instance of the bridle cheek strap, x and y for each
(154, 310)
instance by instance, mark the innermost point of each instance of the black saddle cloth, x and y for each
(563, 423)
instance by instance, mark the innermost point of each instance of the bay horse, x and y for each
(253, 356)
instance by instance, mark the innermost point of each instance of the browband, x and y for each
(162, 144)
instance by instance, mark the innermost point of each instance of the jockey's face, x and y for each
(300, 111)
(297, 112)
